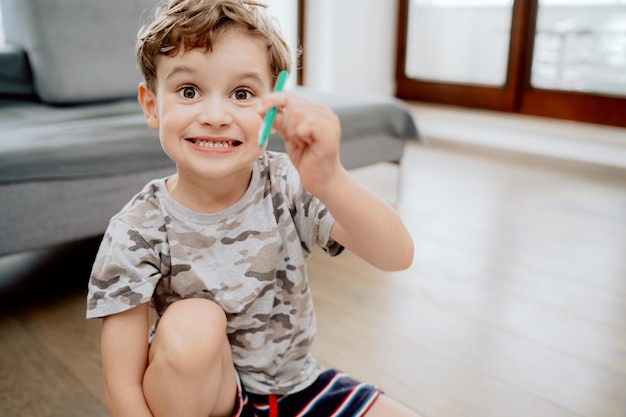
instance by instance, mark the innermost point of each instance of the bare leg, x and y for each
(190, 371)
(386, 406)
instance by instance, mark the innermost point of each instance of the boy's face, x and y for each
(204, 106)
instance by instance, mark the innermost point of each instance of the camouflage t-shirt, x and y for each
(249, 258)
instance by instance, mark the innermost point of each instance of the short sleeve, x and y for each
(312, 220)
(126, 271)
(325, 241)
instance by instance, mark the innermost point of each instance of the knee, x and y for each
(190, 332)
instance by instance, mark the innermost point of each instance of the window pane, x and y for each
(580, 45)
(459, 41)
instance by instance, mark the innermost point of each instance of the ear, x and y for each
(147, 100)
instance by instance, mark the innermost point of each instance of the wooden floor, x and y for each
(515, 304)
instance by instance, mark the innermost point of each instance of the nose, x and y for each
(215, 112)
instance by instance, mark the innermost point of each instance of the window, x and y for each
(475, 52)
(580, 45)
(555, 58)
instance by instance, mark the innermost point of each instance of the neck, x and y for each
(209, 195)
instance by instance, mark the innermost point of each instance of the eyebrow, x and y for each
(251, 75)
(185, 69)
(179, 69)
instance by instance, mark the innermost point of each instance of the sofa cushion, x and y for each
(43, 142)
(72, 58)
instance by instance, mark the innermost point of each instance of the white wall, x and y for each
(286, 14)
(350, 46)
(1, 30)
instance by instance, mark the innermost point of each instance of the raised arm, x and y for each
(365, 224)
(124, 361)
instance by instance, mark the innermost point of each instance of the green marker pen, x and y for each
(268, 121)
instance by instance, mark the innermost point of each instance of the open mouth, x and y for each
(216, 144)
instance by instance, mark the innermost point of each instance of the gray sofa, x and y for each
(74, 146)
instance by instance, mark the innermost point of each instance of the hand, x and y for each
(364, 223)
(312, 134)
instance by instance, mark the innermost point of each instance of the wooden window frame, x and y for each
(301, 35)
(517, 94)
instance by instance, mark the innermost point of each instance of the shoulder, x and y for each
(142, 215)
(150, 198)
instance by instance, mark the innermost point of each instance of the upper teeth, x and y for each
(212, 144)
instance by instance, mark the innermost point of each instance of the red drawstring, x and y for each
(273, 406)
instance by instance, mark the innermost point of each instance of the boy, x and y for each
(219, 248)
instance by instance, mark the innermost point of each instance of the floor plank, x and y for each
(34, 382)
(73, 341)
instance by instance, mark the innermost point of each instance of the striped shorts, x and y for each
(333, 394)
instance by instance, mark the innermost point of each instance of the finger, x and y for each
(304, 131)
(277, 100)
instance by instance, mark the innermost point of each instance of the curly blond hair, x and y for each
(189, 24)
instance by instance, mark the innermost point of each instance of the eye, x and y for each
(242, 94)
(188, 92)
